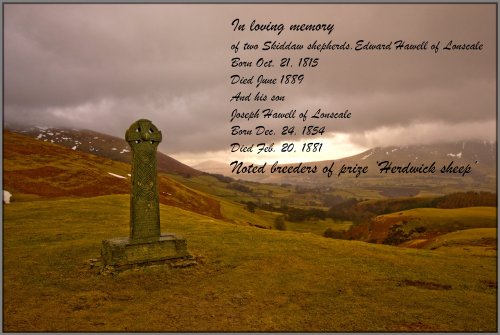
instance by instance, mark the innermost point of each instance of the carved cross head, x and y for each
(143, 133)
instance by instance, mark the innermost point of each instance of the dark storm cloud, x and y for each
(103, 66)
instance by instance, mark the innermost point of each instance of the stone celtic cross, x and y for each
(145, 244)
(143, 137)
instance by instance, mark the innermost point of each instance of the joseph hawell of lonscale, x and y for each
(145, 243)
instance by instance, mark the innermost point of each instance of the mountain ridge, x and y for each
(458, 165)
(35, 169)
(477, 156)
(99, 144)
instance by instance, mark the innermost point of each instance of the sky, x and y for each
(101, 67)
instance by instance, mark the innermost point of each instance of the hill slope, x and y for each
(480, 156)
(101, 145)
(477, 240)
(34, 169)
(247, 279)
(422, 224)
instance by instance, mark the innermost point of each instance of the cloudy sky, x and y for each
(102, 67)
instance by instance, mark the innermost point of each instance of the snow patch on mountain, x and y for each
(459, 155)
(366, 156)
(117, 175)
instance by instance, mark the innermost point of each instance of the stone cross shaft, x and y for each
(143, 138)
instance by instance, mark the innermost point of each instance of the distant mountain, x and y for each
(102, 145)
(461, 152)
(214, 167)
(477, 157)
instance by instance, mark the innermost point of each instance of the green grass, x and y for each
(467, 236)
(239, 214)
(211, 185)
(270, 193)
(479, 241)
(318, 227)
(446, 220)
(247, 279)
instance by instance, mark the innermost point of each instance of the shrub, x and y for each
(251, 206)
(239, 187)
(279, 223)
(330, 233)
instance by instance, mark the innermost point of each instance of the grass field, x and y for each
(478, 241)
(423, 224)
(475, 236)
(246, 279)
(318, 226)
(447, 220)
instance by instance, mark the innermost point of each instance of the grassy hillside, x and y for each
(423, 223)
(478, 241)
(34, 169)
(243, 191)
(247, 279)
(99, 144)
(40, 170)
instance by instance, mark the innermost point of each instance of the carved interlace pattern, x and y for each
(143, 138)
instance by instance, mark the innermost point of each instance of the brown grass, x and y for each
(33, 167)
(247, 279)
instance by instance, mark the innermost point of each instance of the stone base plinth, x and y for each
(124, 251)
